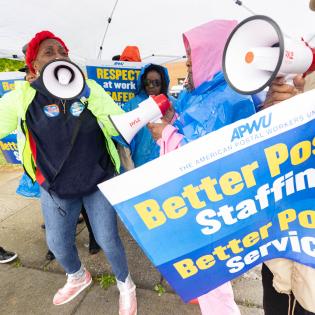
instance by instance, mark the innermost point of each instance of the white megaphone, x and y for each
(257, 52)
(150, 110)
(63, 79)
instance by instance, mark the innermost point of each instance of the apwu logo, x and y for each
(249, 128)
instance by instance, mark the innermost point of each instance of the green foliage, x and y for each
(10, 65)
(17, 263)
(106, 280)
(159, 289)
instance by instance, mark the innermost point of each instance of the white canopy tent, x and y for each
(154, 26)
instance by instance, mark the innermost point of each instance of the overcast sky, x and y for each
(153, 25)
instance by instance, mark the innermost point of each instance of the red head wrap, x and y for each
(33, 46)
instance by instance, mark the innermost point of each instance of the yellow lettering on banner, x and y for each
(186, 268)
(114, 96)
(122, 97)
(285, 217)
(279, 153)
(307, 219)
(190, 192)
(234, 246)
(150, 213)
(175, 207)
(264, 231)
(112, 74)
(205, 262)
(9, 146)
(107, 74)
(276, 155)
(137, 73)
(231, 183)
(251, 239)
(7, 86)
(130, 96)
(300, 152)
(118, 74)
(3, 146)
(125, 97)
(219, 251)
(124, 75)
(99, 73)
(12, 146)
(131, 75)
(102, 73)
(248, 173)
(189, 267)
(208, 185)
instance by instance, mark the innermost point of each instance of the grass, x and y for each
(159, 289)
(17, 263)
(106, 280)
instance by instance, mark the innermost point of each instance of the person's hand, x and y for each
(156, 129)
(280, 91)
(169, 115)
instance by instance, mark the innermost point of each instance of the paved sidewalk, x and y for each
(28, 285)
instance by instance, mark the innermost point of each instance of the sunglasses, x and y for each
(154, 83)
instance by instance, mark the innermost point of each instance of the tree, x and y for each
(10, 65)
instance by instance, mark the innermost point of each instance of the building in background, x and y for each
(177, 72)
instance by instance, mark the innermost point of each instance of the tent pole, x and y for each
(108, 22)
(240, 3)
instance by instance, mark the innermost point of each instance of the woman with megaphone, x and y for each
(208, 104)
(65, 145)
(152, 81)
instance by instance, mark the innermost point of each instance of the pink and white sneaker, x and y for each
(72, 288)
(127, 297)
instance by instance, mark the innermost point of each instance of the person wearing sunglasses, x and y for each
(153, 80)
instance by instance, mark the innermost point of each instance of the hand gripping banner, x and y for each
(215, 208)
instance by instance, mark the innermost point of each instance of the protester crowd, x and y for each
(82, 133)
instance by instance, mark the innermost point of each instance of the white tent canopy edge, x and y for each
(156, 27)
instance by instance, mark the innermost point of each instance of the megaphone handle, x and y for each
(288, 79)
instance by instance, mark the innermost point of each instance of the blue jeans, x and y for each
(61, 217)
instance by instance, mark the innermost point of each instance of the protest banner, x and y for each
(8, 145)
(218, 206)
(7, 81)
(118, 78)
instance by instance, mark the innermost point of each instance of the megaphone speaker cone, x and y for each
(253, 54)
(64, 74)
(257, 52)
(63, 79)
